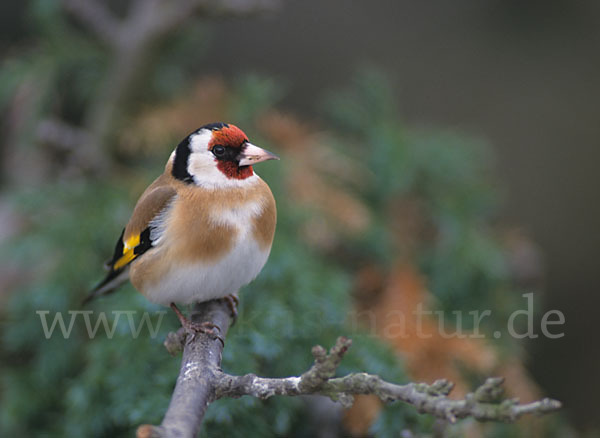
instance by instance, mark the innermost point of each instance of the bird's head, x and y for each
(217, 155)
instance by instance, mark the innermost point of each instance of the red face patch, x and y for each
(232, 170)
(230, 137)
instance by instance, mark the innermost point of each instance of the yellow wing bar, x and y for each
(128, 252)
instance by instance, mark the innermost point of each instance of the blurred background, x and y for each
(436, 152)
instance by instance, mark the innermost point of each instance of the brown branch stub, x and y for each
(325, 365)
(201, 381)
(175, 342)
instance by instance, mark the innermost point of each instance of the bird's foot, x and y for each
(193, 328)
(232, 302)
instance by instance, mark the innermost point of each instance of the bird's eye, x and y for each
(218, 151)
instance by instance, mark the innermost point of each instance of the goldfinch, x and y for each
(202, 229)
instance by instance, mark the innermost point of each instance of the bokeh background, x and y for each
(432, 152)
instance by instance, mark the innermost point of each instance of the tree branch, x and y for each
(201, 381)
(131, 40)
(200, 364)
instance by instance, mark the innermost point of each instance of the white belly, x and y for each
(202, 281)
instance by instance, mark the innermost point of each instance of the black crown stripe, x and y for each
(214, 126)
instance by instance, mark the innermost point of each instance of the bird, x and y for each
(202, 230)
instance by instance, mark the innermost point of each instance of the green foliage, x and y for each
(84, 380)
(450, 176)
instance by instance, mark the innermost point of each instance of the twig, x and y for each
(62, 135)
(485, 404)
(201, 381)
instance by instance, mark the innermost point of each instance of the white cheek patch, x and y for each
(202, 166)
(204, 171)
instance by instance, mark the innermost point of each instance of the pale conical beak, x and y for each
(253, 154)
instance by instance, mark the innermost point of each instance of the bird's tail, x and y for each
(111, 282)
